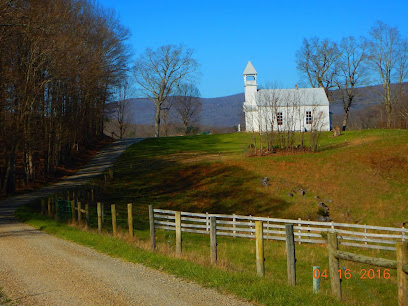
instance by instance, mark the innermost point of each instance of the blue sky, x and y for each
(226, 34)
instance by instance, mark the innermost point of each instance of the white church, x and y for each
(298, 109)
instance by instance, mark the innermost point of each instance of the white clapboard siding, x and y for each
(369, 236)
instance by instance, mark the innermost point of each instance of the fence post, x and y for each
(152, 230)
(113, 210)
(87, 215)
(213, 239)
(103, 213)
(300, 231)
(75, 200)
(402, 277)
(74, 194)
(130, 219)
(334, 265)
(99, 212)
(260, 261)
(365, 231)
(290, 254)
(234, 219)
(207, 223)
(316, 279)
(79, 212)
(178, 233)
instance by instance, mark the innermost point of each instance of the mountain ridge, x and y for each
(227, 111)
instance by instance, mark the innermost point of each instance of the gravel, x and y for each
(39, 269)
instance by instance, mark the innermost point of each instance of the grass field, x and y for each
(362, 176)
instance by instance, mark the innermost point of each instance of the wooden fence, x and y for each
(401, 265)
(291, 231)
(356, 235)
(284, 229)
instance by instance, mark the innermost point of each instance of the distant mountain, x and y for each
(226, 111)
(222, 112)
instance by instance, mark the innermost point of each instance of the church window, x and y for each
(279, 118)
(308, 117)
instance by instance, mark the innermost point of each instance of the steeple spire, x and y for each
(250, 70)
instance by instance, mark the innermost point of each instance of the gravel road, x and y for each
(39, 269)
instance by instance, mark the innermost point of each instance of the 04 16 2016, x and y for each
(347, 274)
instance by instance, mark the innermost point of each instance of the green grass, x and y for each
(362, 174)
(362, 177)
(236, 269)
(242, 282)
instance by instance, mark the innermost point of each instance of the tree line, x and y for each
(380, 58)
(60, 61)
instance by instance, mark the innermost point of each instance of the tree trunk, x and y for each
(166, 128)
(345, 119)
(388, 111)
(185, 125)
(157, 121)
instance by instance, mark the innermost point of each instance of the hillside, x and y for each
(361, 176)
(222, 111)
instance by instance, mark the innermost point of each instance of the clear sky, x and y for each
(226, 34)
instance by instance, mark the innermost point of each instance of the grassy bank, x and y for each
(236, 269)
(361, 176)
(194, 266)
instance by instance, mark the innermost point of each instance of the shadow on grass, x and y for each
(172, 184)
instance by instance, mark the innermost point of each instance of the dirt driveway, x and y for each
(39, 269)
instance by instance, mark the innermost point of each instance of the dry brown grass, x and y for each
(354, 182)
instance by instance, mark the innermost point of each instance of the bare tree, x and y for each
(158, 72)
(388, 54)
(187, 105)
(122, 110)
(165, 114)
(316, 62)
(351, 72)
(268, 100)
(316, 123)
(402, 109)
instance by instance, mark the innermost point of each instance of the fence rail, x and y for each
(356, 235)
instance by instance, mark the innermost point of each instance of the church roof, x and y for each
(249, 69)
(292, 97)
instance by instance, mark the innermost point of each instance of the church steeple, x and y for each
(250, 84)
(250, 74)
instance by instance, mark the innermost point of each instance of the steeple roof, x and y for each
(249, 69)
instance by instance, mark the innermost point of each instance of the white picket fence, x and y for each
(362, 236)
